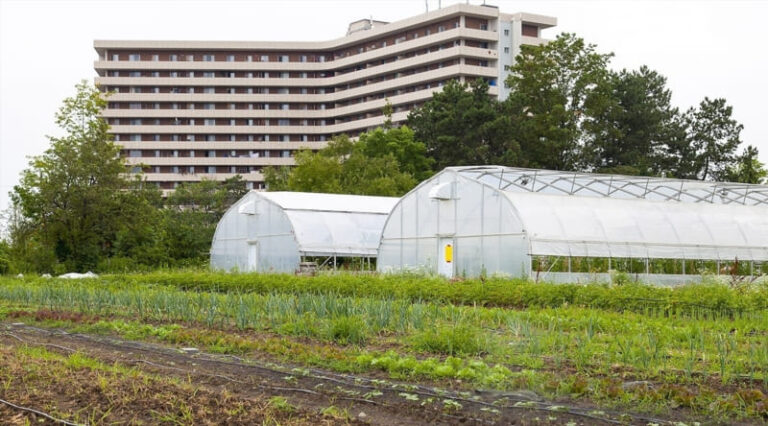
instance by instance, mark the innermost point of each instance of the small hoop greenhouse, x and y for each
(570, 227)
(274, 231)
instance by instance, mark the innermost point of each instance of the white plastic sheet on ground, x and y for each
(77, 276)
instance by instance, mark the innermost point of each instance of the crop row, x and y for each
(709, 299)
(588, 339)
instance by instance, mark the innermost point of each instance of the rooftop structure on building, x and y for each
(187, 110)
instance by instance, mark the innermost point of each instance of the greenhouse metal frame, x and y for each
(275, 231)
(565, 226)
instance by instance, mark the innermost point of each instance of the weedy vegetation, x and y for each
(702, 348)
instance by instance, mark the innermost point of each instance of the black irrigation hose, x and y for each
(418, 389)
(39, 413)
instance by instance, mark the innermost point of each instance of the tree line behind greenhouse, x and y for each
(76, 209)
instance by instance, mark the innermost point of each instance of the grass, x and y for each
(705, 347)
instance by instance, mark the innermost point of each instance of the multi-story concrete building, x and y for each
(187, 110)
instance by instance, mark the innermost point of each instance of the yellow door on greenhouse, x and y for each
(445, 257)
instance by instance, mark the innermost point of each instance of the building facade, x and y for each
(187, 110)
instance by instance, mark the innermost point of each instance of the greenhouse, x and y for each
(574, 227)
(276, 231)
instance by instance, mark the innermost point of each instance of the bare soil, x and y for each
(171, 385)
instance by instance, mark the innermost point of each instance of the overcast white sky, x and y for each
(705, 48)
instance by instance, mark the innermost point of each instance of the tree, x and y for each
(555, 88)
(387, 111)
(313, 172)
(709, 149)
(462, 125)
(191, 215)
(627, 134)
(367, 167)
(69, 197)
(748, 168)
(401, 143)
(140, 240)
(5, 261)
(208, 196)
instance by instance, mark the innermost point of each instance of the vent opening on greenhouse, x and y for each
(277, 231)
(576, 227)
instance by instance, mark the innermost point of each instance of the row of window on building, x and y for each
(227, 74)
(173, 185)
(135, 57)
(218, 122)
(220, 138)
(286, 90)
(211, 153)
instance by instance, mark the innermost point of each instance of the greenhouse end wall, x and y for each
(476, 221)
(254, 235)
(273, 231)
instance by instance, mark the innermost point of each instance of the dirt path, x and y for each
(355, 399)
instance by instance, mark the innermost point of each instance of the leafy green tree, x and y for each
(462, 125)
(401, 143)
(748, 168)
(5, 259)
(348, 167)
(140, 241)
(387, 111)
(27, 252)
(69, 197)
(709, 149)
(191, 215)
(556, 88)
(628, 133)
(313, 172)
(208, 196)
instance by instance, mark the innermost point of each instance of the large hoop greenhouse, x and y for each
(571, 227)
(274, 231)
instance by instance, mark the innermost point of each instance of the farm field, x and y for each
(279, 349)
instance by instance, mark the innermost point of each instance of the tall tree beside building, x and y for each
(190, 216)
(74, 210)
(556, 88)
(461, 125)
(70, 196)
(628, 134)
(370, 166)
(401, 142)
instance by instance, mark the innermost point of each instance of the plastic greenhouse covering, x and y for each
(272, 231)
(491, 219)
